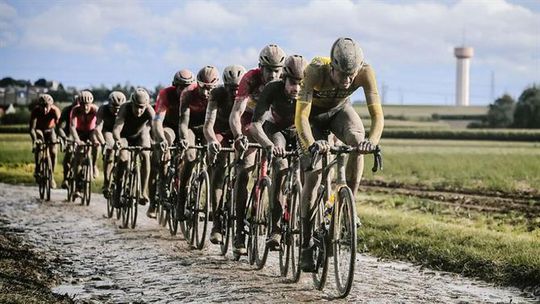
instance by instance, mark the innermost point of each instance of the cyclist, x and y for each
(106, 117)
(324, 105)
(43, 120)
(271, 59)
(277, 132)
(166, 123)
(63, 130)
(132, 128)
(217, 133)
(82, 125)
(193, 103)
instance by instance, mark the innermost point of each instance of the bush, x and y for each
(479, 134)
(22, 116)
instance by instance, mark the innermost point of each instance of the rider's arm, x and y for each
(263, 105)
(183, 125)
(303, 108)
(157, 122)
(99, 126)
(119, 122)
(210, 120)
(33, 123)
(62, 124)
(73, 125)
(374, 105)
(235, 122)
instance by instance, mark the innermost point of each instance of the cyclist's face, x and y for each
(204, 90)
(179, 89)
(87, 107)
(138, 109)
(271, 73)
(115, 109)
(292, 87)
(343, 80)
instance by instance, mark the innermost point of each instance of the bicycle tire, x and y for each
(48, 179)
(125, 199)
(250, 214)
(88, 183)
(224, 216)
(284, 243)
(320, 236)
(262, 224)
(112, 189)
(345, 241)
(295, 232)
(136, 191)
(40, 179)
(202, 208)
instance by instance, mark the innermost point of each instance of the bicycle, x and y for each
(334, 223)
(257, 215)
(111, 186)
(130, 192)
(44, 173)
(83, 177)
(195, 223)
(69, 150)
(290, 243)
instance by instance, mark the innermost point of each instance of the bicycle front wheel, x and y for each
(320, 237)
(48, 179)
(41, 178)
(224, 216)
(87, 184)
(295, 227)
(345, 237)
(201, 210)
(262, 224)
(135, 197)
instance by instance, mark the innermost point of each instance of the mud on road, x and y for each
(101, 263)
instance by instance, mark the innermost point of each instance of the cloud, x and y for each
(8, 19)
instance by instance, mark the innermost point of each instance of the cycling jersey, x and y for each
(319, 95)
(281, 106)
(107, 116)
(45, 121)
(196, 103)
(133, 125)
(168, 101)
(84, 121)
(222, 101)
(64, 117)
(251, 86)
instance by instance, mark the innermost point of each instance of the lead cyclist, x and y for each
(324, 105)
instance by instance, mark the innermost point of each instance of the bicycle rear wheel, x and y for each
(320, 237)
(262, 224)
(295, 226)
(345, 237)
(201, 210)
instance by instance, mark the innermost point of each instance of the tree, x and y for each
(527, 114)
(42, 82)
(501, 112)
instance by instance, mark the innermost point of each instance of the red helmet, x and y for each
(183, 78)
(208, 75)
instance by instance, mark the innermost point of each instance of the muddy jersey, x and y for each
(108, 118)
(251, 86)
(45, 121)
(168, 101)
(133, 125)
(196, 103)
(274, 99)
(84, 121)
(319, 95)
(222, 101)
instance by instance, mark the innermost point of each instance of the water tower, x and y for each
(463, 55)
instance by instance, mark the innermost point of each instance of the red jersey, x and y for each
(47, 120)
(251, 85)
(168, 101)
(84, 121)
(197, 104)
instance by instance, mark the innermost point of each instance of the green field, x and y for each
(416, 112)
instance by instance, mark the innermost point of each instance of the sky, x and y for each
(409, 43)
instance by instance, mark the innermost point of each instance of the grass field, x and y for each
(424, 111)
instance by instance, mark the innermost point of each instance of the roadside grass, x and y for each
(460, 165)
(503, 249)
(423, 111)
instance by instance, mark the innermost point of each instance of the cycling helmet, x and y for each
(346, 56)
(117, 98)
(46, 99)
(232, 74)
(86, 97)
(183, 78)
(272, 55)
(140, 97)
(294, 67)
(208, 75)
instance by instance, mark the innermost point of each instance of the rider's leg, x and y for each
(66, 163)
(95, 151)
(121, 167)
(348, 127)
(241, 192)
(217, 178)
(108, 159)
(280, 165)
(186, 170)
(51, 138)
(145, 142)
(39, 135)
